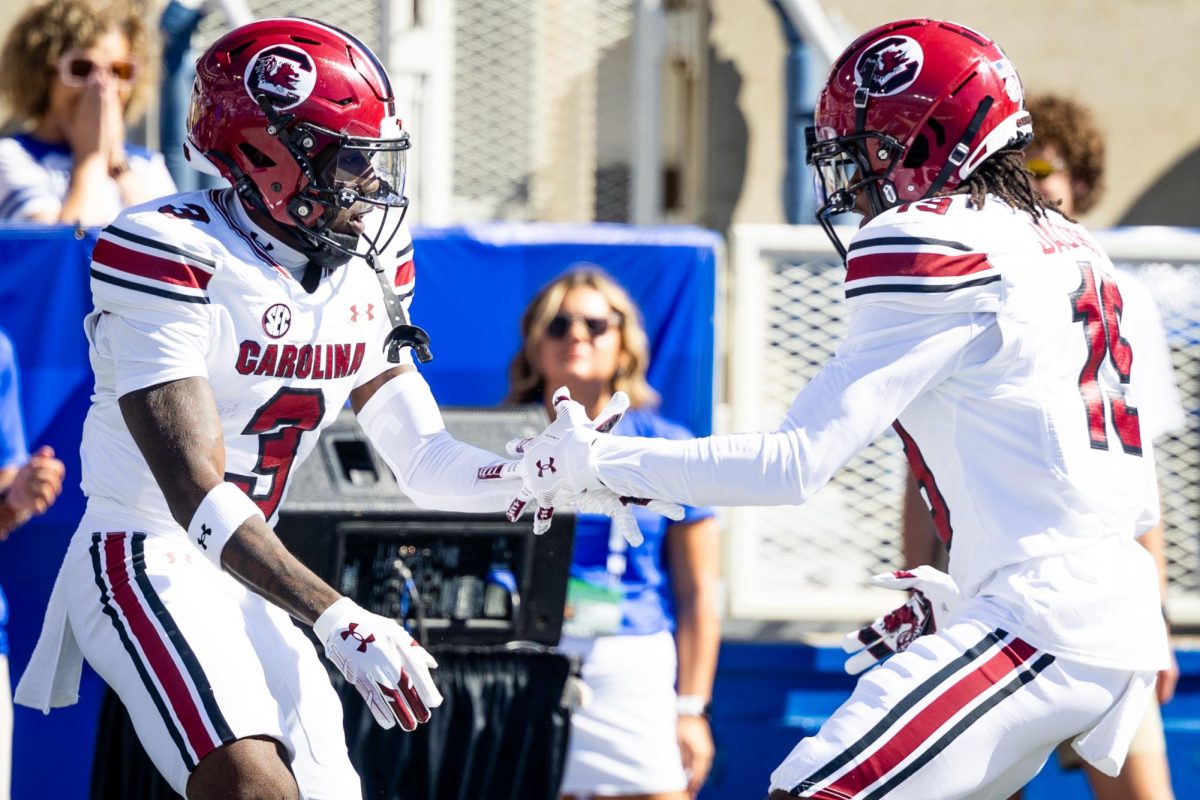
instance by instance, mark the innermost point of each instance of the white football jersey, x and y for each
(1030, 453)
(188, 287)
(994, 347)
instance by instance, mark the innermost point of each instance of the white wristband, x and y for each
(691, 705)
(219, 514)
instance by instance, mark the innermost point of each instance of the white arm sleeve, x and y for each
(888, 359)
(433, 468)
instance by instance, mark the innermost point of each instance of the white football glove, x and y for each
(935, 597)
(386, 665)
(558, 470)
(607, 502)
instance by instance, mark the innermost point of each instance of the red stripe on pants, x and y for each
(919, 730)
(158, 658)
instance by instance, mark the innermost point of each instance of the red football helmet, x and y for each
(911, 109)
(299, 116)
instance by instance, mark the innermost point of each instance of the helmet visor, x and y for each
(372, 175)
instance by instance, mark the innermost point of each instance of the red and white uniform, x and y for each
(993, 345)
(187, 287)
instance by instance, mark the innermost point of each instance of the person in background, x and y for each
(178, 24)
(29, 484)
(75, 73)
(645, 731)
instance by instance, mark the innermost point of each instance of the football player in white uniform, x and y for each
(986, 327)
(230, 327)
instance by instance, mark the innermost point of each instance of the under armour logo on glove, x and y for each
(567, 476)
(392, 676)
(362, 641)
(935, 598)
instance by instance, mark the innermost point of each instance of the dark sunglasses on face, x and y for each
(75, 69)
(560, 324)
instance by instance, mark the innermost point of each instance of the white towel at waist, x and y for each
(52, 678)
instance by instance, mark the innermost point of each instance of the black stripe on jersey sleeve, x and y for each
(907, 241)
(404, 250)
(124, 284)
(920, 288)
(142, 240)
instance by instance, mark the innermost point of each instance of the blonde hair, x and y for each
(526, 383)
(46, 31)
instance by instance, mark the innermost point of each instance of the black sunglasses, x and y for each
(560, 324)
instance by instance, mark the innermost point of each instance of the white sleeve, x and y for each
(144, 352)
(433, 468)
(888, 358)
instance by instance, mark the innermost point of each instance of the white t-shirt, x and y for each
(990, 342)
(35, 177)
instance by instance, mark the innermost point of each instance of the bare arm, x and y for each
(176, 427)
(1154, 542)
(918, 534)
(692, 548)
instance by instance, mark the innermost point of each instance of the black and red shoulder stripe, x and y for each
(139, 263)
(913, 264)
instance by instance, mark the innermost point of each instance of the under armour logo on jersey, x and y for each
(369, 313)
(543, 468)
(363, 641)
(205, 532)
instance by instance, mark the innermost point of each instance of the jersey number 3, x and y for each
(279, 423)
(1098, 306)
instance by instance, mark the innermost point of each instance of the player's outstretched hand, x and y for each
(610, 504)
(935, 597)
(386, 665)
(558, 470)
(556, 460)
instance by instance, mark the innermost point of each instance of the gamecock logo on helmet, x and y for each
(898, 61)
(284, 74)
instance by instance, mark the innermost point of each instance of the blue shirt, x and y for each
(649, 606)
(13, 450)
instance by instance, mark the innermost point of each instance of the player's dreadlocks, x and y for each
(1005, 176)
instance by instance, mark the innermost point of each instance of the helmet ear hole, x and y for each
(918, 152)
(255, 156)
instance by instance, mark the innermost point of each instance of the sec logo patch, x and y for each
(277, 320)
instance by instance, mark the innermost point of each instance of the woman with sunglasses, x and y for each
(73, 72)
(645, 732)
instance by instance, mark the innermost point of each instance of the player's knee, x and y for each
(247, 769)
